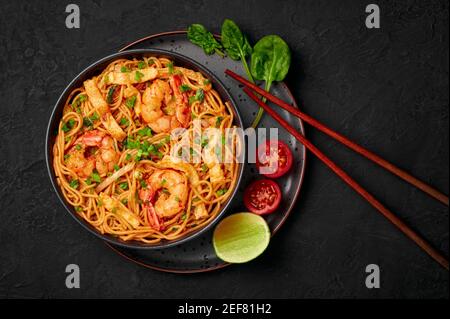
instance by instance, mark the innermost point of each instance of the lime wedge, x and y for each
(241, 237)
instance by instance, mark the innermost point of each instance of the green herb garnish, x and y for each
(141, 64)
(185, 88)
(146, 131)
(124, 121)
(68, 125)
(138, 76)
(131, 101)
(110, 94)
(170, 66)
(96, 177)
(199, 96)
(205, 141)
(219, 120)
(222, 191)
(74, 183)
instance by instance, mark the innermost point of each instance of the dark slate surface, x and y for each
(386, 88)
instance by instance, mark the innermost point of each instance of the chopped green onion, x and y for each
(95, 116)
(192, 99)
(131, 101)
(170, 66)
(96, 178)
(123, 186)
(146, 131)
(68, 125)
(124, 69)
(74, 183)
(110, 94)
(219, 121)
(222, 192)
(200, 95)
(205, 141)
(141, 64)
(124, 121)
(138, 76)
(185, 88)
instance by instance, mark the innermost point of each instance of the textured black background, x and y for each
(386, 88)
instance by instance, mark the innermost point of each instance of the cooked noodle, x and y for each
(114, 153)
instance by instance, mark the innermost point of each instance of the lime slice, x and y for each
(241, 237)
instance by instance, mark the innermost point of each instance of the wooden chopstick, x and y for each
(342, 139)
(436, 255)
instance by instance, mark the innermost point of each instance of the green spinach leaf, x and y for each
(270, 62)
(198, 35)
(236, 44)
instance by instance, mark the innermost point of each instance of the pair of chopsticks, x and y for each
(250, 88)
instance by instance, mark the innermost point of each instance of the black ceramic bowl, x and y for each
(94, 70)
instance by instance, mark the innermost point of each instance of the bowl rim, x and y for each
(77, 81)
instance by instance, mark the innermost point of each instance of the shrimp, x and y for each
(182, 109)
(176, 113)
(151, 112)
(166, 192)
(92, 150)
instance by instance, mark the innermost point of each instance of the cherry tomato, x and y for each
(274, 159)
(262, 196)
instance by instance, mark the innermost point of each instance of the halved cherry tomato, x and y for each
(262, 197)
(274, 159)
